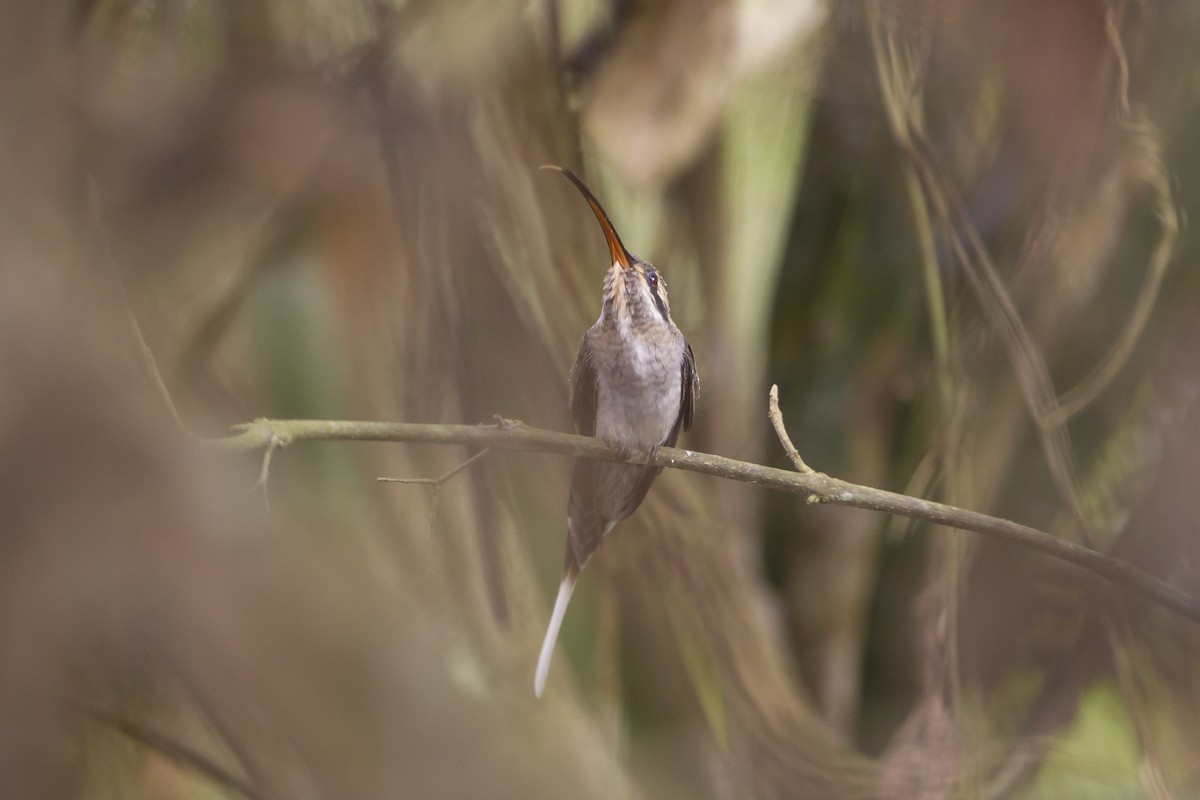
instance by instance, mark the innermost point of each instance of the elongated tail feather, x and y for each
(560, 610)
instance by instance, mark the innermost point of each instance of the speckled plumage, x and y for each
(634, 384)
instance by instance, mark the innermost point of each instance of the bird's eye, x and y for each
(652, 279)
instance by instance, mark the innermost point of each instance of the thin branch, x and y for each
(436, 483)
(511, 435)
(145, 354)
(900, 83)
(264, 473)
(1146, 144)
(178, 752)
(246, 759)
(776, 417)
(150, 367)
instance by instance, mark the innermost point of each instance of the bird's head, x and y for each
(633, 289)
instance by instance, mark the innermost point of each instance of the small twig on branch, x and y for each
(178, 752)
(514, 436)
(776, 417)
(264, 473)
(436, 483)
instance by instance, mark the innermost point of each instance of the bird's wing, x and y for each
(586, 527)
(583, 390)
(691, 391)
(585, 522)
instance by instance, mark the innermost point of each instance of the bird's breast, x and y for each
(639, 387)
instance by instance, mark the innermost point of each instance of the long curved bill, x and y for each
(617, 250)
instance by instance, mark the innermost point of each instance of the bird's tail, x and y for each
(565, 589)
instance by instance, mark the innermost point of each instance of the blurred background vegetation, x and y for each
(952, 231)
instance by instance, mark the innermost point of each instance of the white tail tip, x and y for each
(560, 610)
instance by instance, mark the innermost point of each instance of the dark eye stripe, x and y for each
(662, 309)
(658, 301)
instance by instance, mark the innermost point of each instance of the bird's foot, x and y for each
(627, 452)
(653, 454)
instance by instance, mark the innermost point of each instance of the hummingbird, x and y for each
(634, 385)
